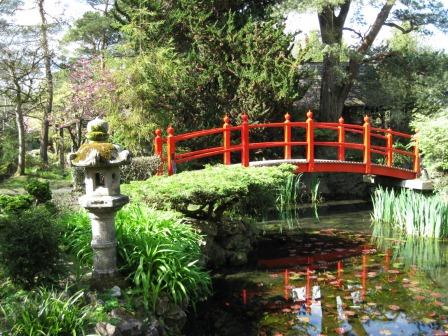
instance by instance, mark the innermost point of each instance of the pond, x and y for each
(331, 278)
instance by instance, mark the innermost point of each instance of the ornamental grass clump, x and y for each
(46, 312)
(409, 213)
(157, 251)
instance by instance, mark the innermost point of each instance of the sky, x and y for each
(73, 9)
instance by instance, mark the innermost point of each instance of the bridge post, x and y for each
(341, 140)
(245, 140)
(158, 149)
(287, 135)
(310, 140)
(170, 150)
(390, 145)
(226, 140)
(367, 154)
(416, 155)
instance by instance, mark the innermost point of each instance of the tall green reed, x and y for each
(289, 195)
(409, 213)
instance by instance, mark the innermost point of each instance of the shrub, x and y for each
(159, 253)
(40, 190)
(29, 245)
(46, 312)
(140, 168)
(209, 192)
(14, 204)
(410, 213)
(433, 140)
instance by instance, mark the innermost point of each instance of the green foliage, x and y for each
(94, 31)
(29, 248)
(46, 312)
(140, 168)
(40, 190)
(433, 140)
(195, 61)
(14, 204)
(410, 80)
(157, 251)
(409, 213)
(209, 192)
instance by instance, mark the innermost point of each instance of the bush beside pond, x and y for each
(221, 202)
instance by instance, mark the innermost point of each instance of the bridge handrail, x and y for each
(368, 133)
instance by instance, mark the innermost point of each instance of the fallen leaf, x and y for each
(340, 331)
(385, 332)
(394, 307)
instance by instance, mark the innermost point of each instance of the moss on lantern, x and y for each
(106, 150)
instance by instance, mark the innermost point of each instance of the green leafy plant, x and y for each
(29, 245)
(433, 140)
(409, 213)
(46, 312)
(158, 252)
(14, 204)
(40, 190)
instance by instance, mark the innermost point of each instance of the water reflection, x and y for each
(336, 281)
(428, 255)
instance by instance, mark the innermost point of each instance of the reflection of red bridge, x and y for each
(373, 141)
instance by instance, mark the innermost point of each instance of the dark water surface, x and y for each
(331, 279)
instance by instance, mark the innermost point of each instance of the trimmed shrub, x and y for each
(14, 204)
(40, 190)
(141, 168)
(208, 193)
(29, 248)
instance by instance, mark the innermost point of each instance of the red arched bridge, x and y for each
(368, 141)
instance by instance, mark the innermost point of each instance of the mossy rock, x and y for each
(106, 150)
(97, 136)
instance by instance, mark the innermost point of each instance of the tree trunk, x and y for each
(331, 27)
(21, 137)
(49, 79)
(331, 98)
(334, 87)
(61, 148)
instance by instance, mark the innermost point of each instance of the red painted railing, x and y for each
(306, 164)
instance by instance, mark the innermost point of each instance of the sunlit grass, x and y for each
(409, 213)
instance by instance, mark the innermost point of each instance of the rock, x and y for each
(115, 291)
(130, 327)
(106, 329)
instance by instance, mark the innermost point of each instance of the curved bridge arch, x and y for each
(375, 141)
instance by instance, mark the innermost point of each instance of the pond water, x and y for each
(331, 278)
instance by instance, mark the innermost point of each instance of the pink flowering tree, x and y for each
(85, 95)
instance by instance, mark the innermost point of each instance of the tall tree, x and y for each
(49, 82)
(20, 63)
(338, 79)
(94, 31)
(189, 63)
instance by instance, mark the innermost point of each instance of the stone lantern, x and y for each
(102, 161)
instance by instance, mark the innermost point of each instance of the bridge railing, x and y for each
(368, 133)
